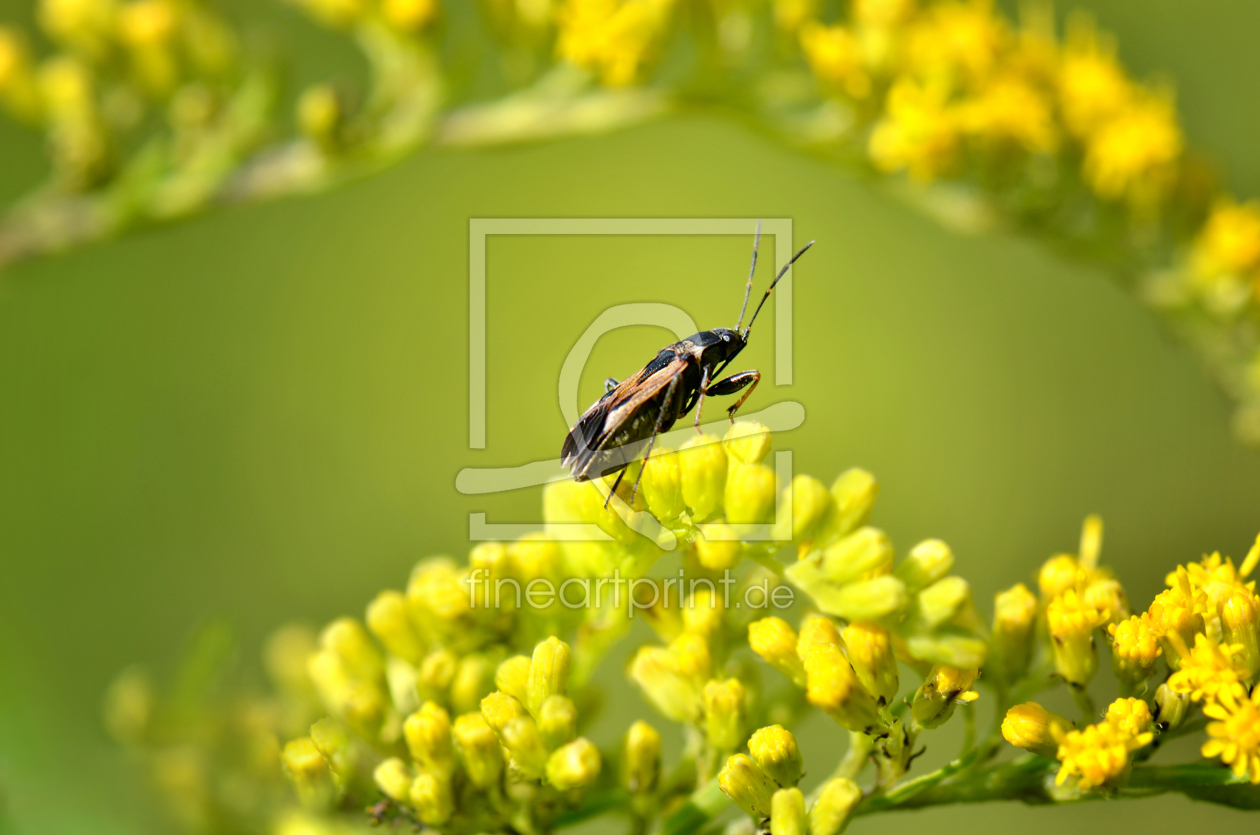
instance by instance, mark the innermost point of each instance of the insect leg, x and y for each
(609, 385)
(615, 485)
(704, 384)
(656, 430)
(735, 383)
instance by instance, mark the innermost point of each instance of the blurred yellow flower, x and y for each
(918, 132)
(834, 54)
(613, 38)
(1134, 154)
(1235, 736)
(1010, 110)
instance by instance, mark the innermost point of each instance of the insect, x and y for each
(608, 437)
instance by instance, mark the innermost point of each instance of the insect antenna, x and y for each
(751, 270)
(782, 272)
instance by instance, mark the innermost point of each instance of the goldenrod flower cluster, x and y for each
(1203, 629)
(460, 703)
(154, 109)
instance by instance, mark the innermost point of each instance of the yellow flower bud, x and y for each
(524, 742)
(574, 765)
(1059, 574)
(750, 494)
(499, 708)
(673, 694)
(308, 770)
(430, 794)
(942, 601)
(787, 812)
(557, 721)
(775, 641)
(333, 741)
(474, 680)
(642, 763)
(1072, 622)
(351, 643)
(409, 15)
(704, 615)
(1171, 706)
(718, 546)
(1240, 625)
(548, 672)
(394, 779)
(536, 556)
(689, 656)
(943, 689)
(747, 785)
(865, 553)
(747, 442)
(513, 676)
(927, 562)
(815, 630)
(836, 802)
(1134, 650)
(1033, 728)
(1011, 643)
(1107, 595)
(803, 509)
(479, 749)
(390, 622)
(702, 464)
(661, 486)
(832, 685)
(428, 735)
(724, 708)
(436, 673)
(1132, 716)
(871, 599)
(774, 750)
(869, 648)
(855, 492)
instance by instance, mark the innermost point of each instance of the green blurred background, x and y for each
(259, 415)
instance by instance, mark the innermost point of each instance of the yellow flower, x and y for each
(613, 38)
(1174, 613)
(1072, 622)
(1010, 111)
(835, 55)
(1098, 755)
(1230, 241)
(145, 23)
(881, 14)
(1235, 736)
(1134, 649)
(943, 688)
(1132, 716)
(1133, 155)
(832, 685)
(409, 15)
(1033, 728)
(918, 132)
(1209, 669)
(1011, 641)
(1058, 574)
(957, 42)
(1092, 85)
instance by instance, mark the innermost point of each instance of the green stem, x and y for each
(706, 803)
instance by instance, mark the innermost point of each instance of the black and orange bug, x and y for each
(608, 436)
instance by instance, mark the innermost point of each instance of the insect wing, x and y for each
(608, 435)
